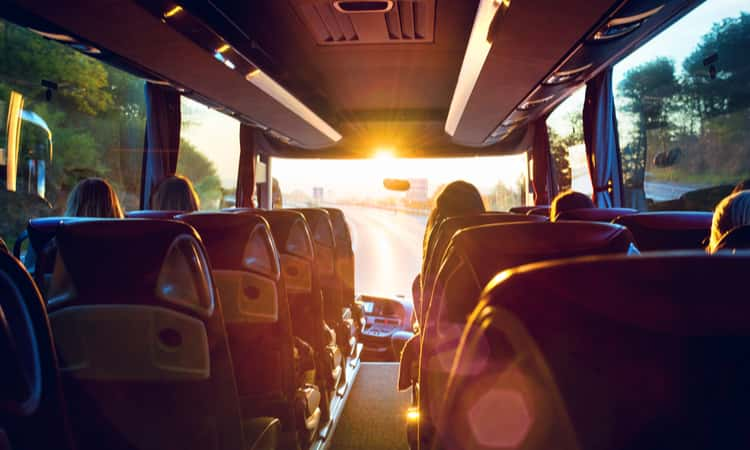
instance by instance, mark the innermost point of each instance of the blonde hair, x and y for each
(175, 193)
(731, 212)
(93, 197)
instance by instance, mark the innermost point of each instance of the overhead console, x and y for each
(514, 84)
(172, 44)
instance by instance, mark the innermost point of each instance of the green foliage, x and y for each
(202, 172)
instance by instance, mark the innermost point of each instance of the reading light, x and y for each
(474, 58)
(621, 26)
(223, 48)
(173, 12)
(412, 414)
(530, 104)
(564, 76)
(274, 90)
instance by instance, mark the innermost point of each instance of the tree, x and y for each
(202, 172)
(726, 91)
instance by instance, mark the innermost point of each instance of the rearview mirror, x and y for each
(668, 158)
(394, 184)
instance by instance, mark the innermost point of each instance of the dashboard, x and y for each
(384, 316)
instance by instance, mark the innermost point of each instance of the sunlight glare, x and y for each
(384, 154)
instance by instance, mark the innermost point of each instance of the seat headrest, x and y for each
(340, 227)
(735, 239)
(153, 214)
(524, 209)
(539, 211)
(236, 241)
(42, 229)
(489, 248)
(595, 214)
(669, 230)
(668, 330)
(131, 261)
(290, 232)
(320, 225)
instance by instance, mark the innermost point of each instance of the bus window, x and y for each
(209, 153)
(683, 106)
(66, 116)
(565, 126)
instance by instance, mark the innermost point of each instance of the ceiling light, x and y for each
(529, 104)
(59, 37)
(274, 90)
(474, 58)
(223, 48)
(621, 26)
(173, 12)
(565, 76)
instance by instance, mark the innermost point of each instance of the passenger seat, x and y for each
(672, 230)
(595, 214)
(140, 332)
(607, 352)
(246, 269)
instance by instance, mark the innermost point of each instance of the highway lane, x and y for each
(387, 249)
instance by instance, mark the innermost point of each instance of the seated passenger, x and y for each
(732, 212)
(175, 193)
(569, 200)
(93, 197)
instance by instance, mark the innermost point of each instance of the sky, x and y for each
(217, 135)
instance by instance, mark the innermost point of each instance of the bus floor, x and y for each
(374, 417)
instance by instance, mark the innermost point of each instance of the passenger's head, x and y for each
(743, 185)
(93, 197)
(567, 201)
(455, 199)
(175, 193)
(731, 212)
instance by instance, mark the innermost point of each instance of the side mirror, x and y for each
(394, 184)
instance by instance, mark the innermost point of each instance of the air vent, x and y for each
(369, 22)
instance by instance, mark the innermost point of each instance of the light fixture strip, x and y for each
(474, 59)
(274, 90)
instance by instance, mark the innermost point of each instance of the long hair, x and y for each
(455, 199)
(731, 212)
(175, 193)
(93, 197)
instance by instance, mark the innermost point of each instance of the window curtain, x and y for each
(542, 180)
(163, 120)
(602, 141)
(246, 170)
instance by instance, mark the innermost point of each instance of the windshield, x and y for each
(66, 117)
(387, 227)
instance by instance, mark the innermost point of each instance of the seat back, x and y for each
(473, 257)
(442, 235)
(736, 239)
(246, 269)
(32, 409)
(344, 255)
(153, 214)
(606, 352)
(40, 258)
(524, 209)
(670, 230)
(539, 211)
(141, 338)
(595, 214)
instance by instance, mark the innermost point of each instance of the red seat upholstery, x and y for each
(473, 257)
(595, 214)
(32, 408)
(606, 352)
(442, 235)
(247, 273)
(673, 230)
(523, 209)
(152, 214)
(539, 211)
(141, 337)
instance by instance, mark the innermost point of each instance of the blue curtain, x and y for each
(542, 180)
(602, 141)
(246, 169)
(163, 119)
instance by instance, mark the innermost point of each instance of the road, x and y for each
(387, 249)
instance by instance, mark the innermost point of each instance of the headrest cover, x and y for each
(595, 214)
(131, 261)
(236, 241)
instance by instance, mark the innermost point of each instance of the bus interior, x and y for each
(312, 297)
